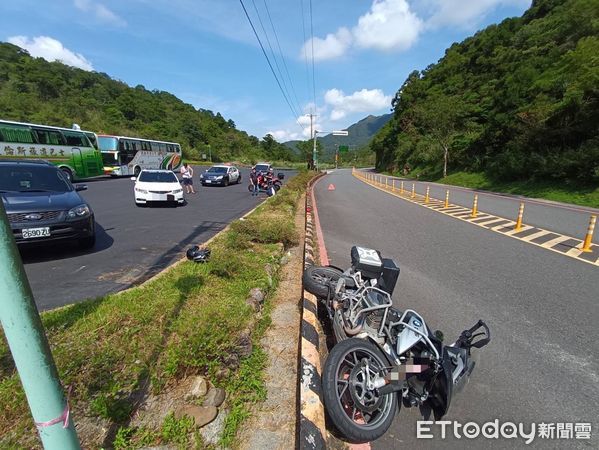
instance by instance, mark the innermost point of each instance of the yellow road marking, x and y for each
(456, 211)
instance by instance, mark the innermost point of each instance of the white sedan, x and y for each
(157, 186)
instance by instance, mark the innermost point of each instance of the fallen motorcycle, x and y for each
(383, 357)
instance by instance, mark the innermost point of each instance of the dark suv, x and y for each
(43, 206)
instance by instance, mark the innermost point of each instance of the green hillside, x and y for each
(38, 91)
(516, 101)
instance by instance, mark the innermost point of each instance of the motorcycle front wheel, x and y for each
(358, 413)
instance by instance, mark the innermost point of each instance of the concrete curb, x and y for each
(311, 432)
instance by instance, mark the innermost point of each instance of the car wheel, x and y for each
(87, 242)
(226, 181)
(239, 179)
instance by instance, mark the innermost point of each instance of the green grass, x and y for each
(577, 194)
(187, 321)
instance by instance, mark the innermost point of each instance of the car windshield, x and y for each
(158, 177)
(218, 169)
(262, 168)
(33, 178)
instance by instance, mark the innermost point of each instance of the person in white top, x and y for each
(187, 175)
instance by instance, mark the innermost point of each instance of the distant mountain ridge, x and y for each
(359, 135)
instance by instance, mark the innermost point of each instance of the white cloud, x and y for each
(100, 11)
(365, 100)
(51, 50)
(284, 135)
(389, 25)
(465, 13)
(332, 46)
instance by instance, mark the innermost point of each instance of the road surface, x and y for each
(542, 308)
(132, 243)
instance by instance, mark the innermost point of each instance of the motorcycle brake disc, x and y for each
(365, 400)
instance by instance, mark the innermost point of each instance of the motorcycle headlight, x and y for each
(79, 212)
(177, 191)
(141, 191)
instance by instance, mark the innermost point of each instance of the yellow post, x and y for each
(427, 198)
(401, 188)
(413, 190)
(393, 185)
(475, 206)
(586, 246)
(386, 182)
(520, 215)
(447, 199)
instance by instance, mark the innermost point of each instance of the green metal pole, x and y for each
(29, 347)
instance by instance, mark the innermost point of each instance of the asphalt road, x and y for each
(542, 308)
(132, 243)
(571, 220)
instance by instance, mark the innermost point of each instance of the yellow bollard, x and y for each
(393, 186)
(413, 190)
(475, 206)
(586, 246)
(447, 199)
(386, 182)
(427, 198)
(401, 188)
(518, 226)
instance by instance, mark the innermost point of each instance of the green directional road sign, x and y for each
(343, 149)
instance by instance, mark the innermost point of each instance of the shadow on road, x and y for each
(55, 251)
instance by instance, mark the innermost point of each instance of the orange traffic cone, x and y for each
(331, 187)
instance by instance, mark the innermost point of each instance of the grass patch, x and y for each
(559, 191)
(187, 321)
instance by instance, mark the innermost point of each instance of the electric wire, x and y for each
(269, 63)
(312, 40)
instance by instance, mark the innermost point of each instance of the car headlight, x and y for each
(202, 177)
(177, 191)
(141, 191)
(79, 212)
(220, 177)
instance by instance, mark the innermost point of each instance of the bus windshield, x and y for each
(107, 143)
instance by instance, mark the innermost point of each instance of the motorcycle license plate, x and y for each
(29, 233)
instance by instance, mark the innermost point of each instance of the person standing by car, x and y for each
(187, 175)
(254, 182)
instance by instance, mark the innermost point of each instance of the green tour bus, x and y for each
(69, 149)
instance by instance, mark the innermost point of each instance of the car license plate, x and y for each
(35, 232)
(208, 181)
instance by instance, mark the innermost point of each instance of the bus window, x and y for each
(169, 148)
(16, 133)
(92, 139)
(163, 148)
(75, 139)
(107, 143)
(145, 145)
(49, 137)
(177, 148)
(155, 147)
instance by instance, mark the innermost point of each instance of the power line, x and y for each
(297, 102)
(305, 51)
(269, 63)
(274, 57)
(312, 40)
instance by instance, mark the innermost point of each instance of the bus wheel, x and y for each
(67, 173)
(136, 171)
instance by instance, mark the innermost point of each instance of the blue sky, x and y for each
(205, 52)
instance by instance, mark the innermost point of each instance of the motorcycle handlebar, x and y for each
(482, 342)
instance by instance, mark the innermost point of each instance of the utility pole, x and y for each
(313, 136)
(30, 351)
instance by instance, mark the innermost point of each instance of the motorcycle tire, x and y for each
(340, 395)
(319, 280)
(277, 186)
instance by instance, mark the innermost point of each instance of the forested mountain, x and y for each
(359, 135)
(518, 100)
(38, 91)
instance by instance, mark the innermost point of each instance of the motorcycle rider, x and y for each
(254, 182)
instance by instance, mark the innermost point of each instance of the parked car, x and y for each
(157, 186)
(263, 167)
(43, 206)
(221, 174)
